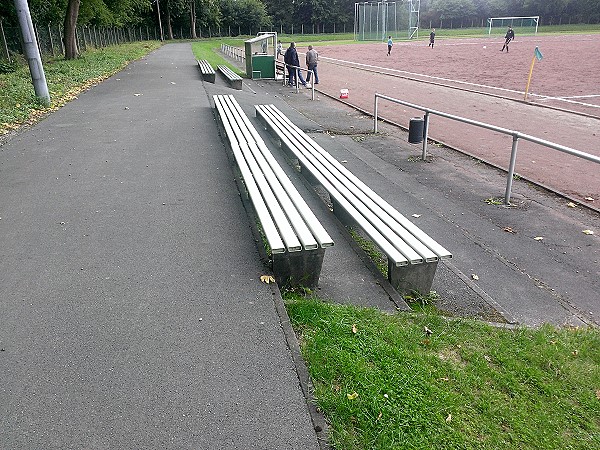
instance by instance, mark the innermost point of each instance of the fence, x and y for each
(236, 53)
(50, 38)
(515, 137)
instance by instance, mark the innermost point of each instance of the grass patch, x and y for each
(419, 381)
(210, 50)
(66, 79)
(377, 256)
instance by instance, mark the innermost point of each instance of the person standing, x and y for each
(279, 49)
(390, 44)
(312, 57)
(510, 35)
(432, 38)
(293, 65)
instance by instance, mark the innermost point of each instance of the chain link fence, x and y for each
(50, 38)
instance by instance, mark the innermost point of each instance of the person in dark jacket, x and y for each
(510, 36)
(293, 63)
(432, 38)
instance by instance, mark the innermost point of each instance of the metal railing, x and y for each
(516, 135)
(308, 71)
(233, 52)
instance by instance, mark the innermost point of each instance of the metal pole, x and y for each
(5, 46)
(511, 170)
(375, 115)
(32, 53)
(425, 133)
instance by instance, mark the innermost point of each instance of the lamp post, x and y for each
(32, 52)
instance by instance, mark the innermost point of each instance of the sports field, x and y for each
(472, 78)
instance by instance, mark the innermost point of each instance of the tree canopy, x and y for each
(231, 16)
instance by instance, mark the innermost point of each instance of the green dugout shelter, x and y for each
(261, 55)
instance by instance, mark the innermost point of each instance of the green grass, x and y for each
(210, 50)
(467, 385)
(66, 79)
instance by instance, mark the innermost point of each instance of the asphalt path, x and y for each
(131, 311)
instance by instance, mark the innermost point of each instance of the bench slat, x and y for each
(268, 225)
(384, 243)
(232, 78)
(264, 194)
(302, 218)
(275, 194)
(414, 244)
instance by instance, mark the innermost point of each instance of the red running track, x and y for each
(473, 79)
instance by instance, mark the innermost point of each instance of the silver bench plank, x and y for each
(405, 244)
(267, 223)
(296, 237)
(234, 80)
(293, 228)
(428, 248)
(207, 71)
(302, 218)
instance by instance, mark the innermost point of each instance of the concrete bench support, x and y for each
(296, 238)
(412, 255)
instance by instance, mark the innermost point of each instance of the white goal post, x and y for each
(529, 23)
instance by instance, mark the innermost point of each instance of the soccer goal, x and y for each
(521, 25)
(375, 21)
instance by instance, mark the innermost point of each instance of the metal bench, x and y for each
(296, 238)
(412, 255)
(234, 80)
(207, 71)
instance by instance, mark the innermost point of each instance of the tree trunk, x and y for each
(70, 34)
(193, 18)
(168, 17)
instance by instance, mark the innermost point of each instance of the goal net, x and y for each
(375, 21)
(521, 25)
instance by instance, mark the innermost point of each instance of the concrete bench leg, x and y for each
(298, 269)
(414, 277)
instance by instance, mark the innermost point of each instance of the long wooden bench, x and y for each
(207, 71)
(234, 80)
(296, 238)
(412, 255)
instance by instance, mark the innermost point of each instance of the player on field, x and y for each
(510, 36)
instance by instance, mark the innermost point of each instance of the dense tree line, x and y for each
(191, 18)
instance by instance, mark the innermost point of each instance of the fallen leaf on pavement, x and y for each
(267, 279)
(571, 205)
(509, 230)
(588, 232)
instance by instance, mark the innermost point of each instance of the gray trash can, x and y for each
(415, 130)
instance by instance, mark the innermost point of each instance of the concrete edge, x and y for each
(318, 419)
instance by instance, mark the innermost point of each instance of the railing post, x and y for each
(425, 133)
(375, 115)
(511, 169)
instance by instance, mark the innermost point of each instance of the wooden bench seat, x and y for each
(412, 255)
(207, 71)
(234, 80)
(296, 238)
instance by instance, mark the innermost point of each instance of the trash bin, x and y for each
(415, 130)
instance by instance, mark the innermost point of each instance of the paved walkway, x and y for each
(131, 309)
